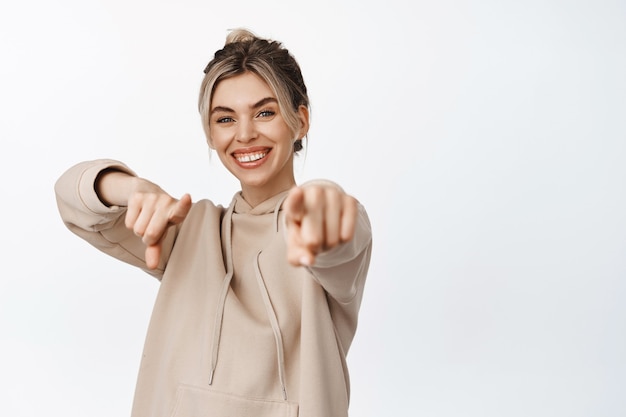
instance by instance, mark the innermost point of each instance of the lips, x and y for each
(250, 157)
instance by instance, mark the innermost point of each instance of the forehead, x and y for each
(243, 89)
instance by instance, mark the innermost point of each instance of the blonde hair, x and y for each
(245, 52)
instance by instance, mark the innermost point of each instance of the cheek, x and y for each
(279, 131)
(217, 141)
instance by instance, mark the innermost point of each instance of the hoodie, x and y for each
(235, 329)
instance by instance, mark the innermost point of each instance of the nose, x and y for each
(246, 131)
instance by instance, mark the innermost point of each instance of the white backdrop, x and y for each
(487, 140)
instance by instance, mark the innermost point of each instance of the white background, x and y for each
(487, 140)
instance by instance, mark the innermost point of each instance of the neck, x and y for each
(256, 195)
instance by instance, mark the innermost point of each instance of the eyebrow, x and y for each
(256, 105)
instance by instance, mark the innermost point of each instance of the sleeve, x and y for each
(100, 225)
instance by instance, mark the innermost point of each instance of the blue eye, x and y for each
(266, 113)
(224, 120)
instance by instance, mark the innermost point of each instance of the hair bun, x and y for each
(240, 35)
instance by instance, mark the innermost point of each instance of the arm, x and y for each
(105, 203)
(329, 232)
(151, 211)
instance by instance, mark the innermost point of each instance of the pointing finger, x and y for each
(312, 234)
(153, 255)
(294, 206)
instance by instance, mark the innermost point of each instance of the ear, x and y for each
(303, 115)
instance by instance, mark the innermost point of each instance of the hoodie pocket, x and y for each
(194, 401)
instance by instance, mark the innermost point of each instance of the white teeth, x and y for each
(251, 157)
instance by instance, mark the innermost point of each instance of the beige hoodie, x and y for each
(235, 330)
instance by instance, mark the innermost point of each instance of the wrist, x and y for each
(113, 187)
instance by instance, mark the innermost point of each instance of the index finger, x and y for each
(294, 206)
(153, 255)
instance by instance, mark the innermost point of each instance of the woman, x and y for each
(258, 302)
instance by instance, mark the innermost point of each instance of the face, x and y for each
(251, 138)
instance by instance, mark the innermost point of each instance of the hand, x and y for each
(151, 211)
(318, 218)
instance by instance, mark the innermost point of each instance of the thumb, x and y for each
(180, 210)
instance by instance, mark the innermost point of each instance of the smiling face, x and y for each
(251, 138)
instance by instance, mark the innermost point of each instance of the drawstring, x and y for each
(271, 314)
(217, 328)
(221, 303)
